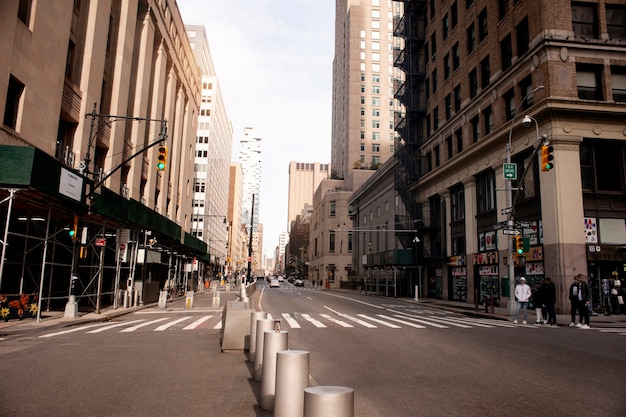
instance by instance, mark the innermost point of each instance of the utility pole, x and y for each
(250, 242)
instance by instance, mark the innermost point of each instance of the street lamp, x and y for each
(509, 203)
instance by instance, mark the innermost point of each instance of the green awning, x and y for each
(195, 243)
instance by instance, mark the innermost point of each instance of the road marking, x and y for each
(170, 324)
(75, 329)
(428, 323)
(354, 319)
(315, 322)
(292, 322)
(124, 323)
(384, 323)
(406, 323)
(197, 323)
(334, 320)
(218, 326)
(139, 326)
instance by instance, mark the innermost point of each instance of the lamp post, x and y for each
(509, 204)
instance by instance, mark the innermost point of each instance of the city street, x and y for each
(401, 358)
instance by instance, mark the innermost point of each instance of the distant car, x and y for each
(291, 279)
(298, 283)
(281, 278)
(274, 283)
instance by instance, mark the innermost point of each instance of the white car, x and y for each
(274, 283)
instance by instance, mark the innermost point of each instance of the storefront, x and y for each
(457, 279)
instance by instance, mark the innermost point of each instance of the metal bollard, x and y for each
(274, 342)
(292, 377)
(262, 326)
(328, 401)
(254, 316)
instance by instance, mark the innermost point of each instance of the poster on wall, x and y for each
(591, 230)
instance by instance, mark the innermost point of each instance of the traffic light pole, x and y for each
(512, 305)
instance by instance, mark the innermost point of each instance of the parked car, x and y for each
(281, 278)
(274, 283)
(298, 282)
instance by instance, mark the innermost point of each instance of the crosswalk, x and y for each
(332, 319)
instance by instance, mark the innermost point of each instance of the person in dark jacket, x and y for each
(549, 299)
(579, 295)
(537, 298)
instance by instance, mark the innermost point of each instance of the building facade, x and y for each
(213, 152)
(237, 235)
(304, 177)
(250, 159)
(502, 79)
(91, 90)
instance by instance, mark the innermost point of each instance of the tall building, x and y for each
(237, 235)
(250, 159)
(488, 84)
(304, 177)
(213, 152)
(363, 134)
(91, 90)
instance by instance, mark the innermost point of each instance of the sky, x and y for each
(273, 60)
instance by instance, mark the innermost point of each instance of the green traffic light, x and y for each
(72, 233)
(160, 166)
(520, 251)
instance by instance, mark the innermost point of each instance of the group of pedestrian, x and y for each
(543, 297)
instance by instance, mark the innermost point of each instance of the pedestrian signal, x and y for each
(547, 158)
(162, 158)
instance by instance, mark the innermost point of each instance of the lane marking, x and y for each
(197, 323)
(384, 323)
(170, 324)
(75, 329)
(139, 326)
(426, 322)
(124, 323)
(334, 320)
(406, 323)
(354, 319)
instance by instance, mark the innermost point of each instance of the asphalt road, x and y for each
(400, 358)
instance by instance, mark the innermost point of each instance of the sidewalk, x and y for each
(51, 319)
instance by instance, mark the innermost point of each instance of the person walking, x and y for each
(579, 295)
(522, 295)
(549, 299)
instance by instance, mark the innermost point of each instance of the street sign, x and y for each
(512, 232)
(500, 225)
(101, 241)
(510, 171)
(507, 210)
(524, 224)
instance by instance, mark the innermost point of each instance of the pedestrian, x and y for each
(522, 295)
(537, 297)
(579, 296)
(549, 299)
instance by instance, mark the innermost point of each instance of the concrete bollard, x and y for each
(262, 326)
(254, 316)
(243, 293)
(328, 401)
(274, 342)
(292, 377)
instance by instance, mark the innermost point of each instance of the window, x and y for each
(585, 20)
(454, 15)
(506, 52)
(618, 83)
(449, 146)
(483, 29)
(436, 118)
(488, 120)
(615, 18)
(509, 104)
(456, 58)
(13, 103)
(471, 39)
(485, 192)
(457, 97)
(23, 11)
(503, 8)
(458, 135)
(448, 101)
(437, 156)
(446, 26)
(362, 147)
(433, 44)
(473, 83)
(376, 112)
(523, 39)
(588, 81)
(332, 208)
(526, 86)
(362, 134)
(331, 242)
(376, 124)
(468, 4)
(601, 164)
(475, 129)
(433, 78)
(376, 147)
(446, 66)
(429, 162)
(485, 72)
(432, 9)
(457, 203)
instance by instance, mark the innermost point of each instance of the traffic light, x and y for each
(547, 158)
(162, 158)
(519, 244)
(74, 229)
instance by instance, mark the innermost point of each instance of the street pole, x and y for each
(509, 204)
(250, 241)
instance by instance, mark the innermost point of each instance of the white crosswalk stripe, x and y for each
(170, 324)
(144, 324)
(375, 320)
(354, 319)
(197, 323)
(313, 321)
(293, 323)
(111, 326)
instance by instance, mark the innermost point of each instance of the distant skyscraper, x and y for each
(363, 79)
(250, 158)
(304, 177)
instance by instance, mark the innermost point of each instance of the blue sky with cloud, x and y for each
(273, 60)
